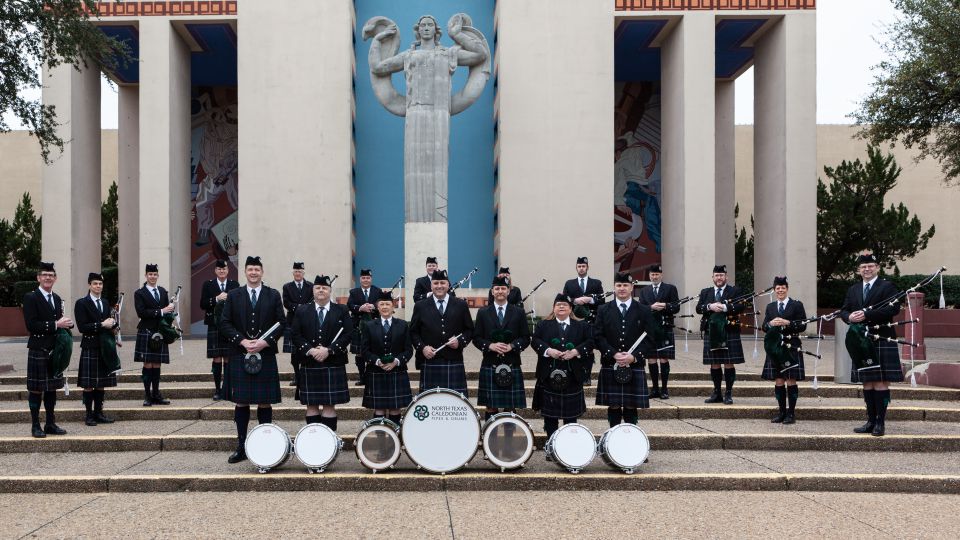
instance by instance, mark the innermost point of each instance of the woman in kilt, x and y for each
(43, 317)
(95, 373)
(501, 333)
(564, 347)
(789, 316)
(321, 332)
(386, 348)
(152, 303)
(212, 297)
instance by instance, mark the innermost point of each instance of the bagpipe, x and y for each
(61, 353)
(583, 312)
(109, 341)
(169, 329)
(398, 299)
(465, 279)
(661, 323)
(715, 323)
(783, 346)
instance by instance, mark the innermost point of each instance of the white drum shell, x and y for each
(440, 431)
(624, 447)
(317, 446)
(507, 418)
(372, 427)
(572, 447)
(268, 446)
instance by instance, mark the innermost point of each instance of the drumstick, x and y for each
(637, 343)
(458, 336)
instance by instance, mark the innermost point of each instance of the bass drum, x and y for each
(378, 444)
(624, 447)
(267, 446)
(507, 441)
(317, 447)
(440, 431)
(572, 447)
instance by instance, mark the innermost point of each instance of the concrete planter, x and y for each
(11, 322)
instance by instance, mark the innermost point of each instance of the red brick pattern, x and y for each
(711, 5)
(167, 9)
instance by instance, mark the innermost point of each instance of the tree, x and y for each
(109, 254)
(916, 96)
(851, 217)
(743, 253)
(39, 33)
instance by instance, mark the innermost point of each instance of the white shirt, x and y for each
(326, 307)
(626, 302)
(48, 296)
(223, 285)
(445, 300)
(785, 301)
(250, 291)
(871, 282)
(95, 298)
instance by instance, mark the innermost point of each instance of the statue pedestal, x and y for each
(421, 240)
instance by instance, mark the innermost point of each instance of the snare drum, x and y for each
(507, 441)
(317, 447)
(571, 447)
(440, 430)
(268, 447)
(624, 447)
(378, 444)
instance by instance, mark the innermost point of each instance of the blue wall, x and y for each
(378, 174)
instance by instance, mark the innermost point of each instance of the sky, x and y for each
(848, 46)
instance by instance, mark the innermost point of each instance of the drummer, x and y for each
(564, 344)
(789, 315)
(386, 348)
(501, 333)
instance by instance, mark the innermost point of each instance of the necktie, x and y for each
(386, 327)
(500, 314)
(223, 287)
(440, 306)
(99, 306)
(656, 290)
(300, 287)
(866, 291)
(563, 330)
(623, 309)
(50, 301)
(717, 295)
(780, 309)
(253, 299)
(320, 316)
(366, 295)
(156, 295)
(583, 286)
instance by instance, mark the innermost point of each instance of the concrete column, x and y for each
(785, 156)
(725, 163)
(70, 203)
(689, 191)
(555, 96)
(295, 136)
(164, 105)
(128, 191)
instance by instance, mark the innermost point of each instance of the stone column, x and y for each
(785, 156)
(689, 191)
(164, 105)
(726, 193)
(70, 204)
(130, 272)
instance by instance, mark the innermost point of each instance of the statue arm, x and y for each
(472, 51)
(385, 66)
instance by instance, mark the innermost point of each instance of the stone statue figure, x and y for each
(428, 68)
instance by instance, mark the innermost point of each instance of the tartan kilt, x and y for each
(733, 354)
(387, 389)
(491, 395)
(321, 384)
(797, 372)
(242, 388)
(216, 347)
(92, 373)
(37, 378)
(890, 369)
(142, 352)
(567, 404)
(666, 354)
(443, 375)
(634, 394)
(288, 338)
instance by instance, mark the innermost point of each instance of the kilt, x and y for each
(37, 378)
(733, 354)
(242, 388)
(216, 347)
(634, 394)
(491, 395)
(321, 384)
(387, 389)
(797, 372)
(92, 373)
(890, 369)
(288, 338)
(567, 404)
(669, 353)
(443, 375)
(142, 352)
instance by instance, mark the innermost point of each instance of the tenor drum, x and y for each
(378, 444)
(267, 446)
(317, 447)
(440, 431)
(624, 447)
(507, 441)
(572, 447)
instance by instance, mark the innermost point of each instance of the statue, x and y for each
(429, 103)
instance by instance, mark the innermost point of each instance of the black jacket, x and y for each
(373, 346)
(208, 298)
(667, 294)
(708, 296)
(307, 334)
(88, 319)
(41, 319)
(594, 290)
(355, 301)
(294, 297)
(148, 309)
(613, 333)
(579, 334)
(792, 312)
(427, 327)
(487, 322)
(882, 313)
(239, 322)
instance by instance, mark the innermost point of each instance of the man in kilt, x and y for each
(248, 313)
(714, 302)
(322, 331)
(618, 326)
(152, 303)
(441, 326)
(93, 321)
(514, 297)
(386, 348)
(587, 295)
(362, 304)
(212, 297)
(43, 317)
(501, 333)
(664, 300)
(295, 294)
(865, 304)
(563, 344)
(787, 314)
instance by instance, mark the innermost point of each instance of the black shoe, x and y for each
(147, 400)
(588, 382)
(157, 399)
(293, 383)
(102, 419)
(879, 430)
(655, 394)
(664, 394)
(359, 383)
(237, 456)
(217, 397)
(866, 428)
(728, 398)
(53, 429)
(789, 419)
(37, 432)
(778, 419)
(714, 398)
(90, 420)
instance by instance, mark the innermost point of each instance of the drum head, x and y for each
(316, 446)
(378, 445)
(440, 430)
(507, 440)
(574, 446)
(625, 446)
(267, 445)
